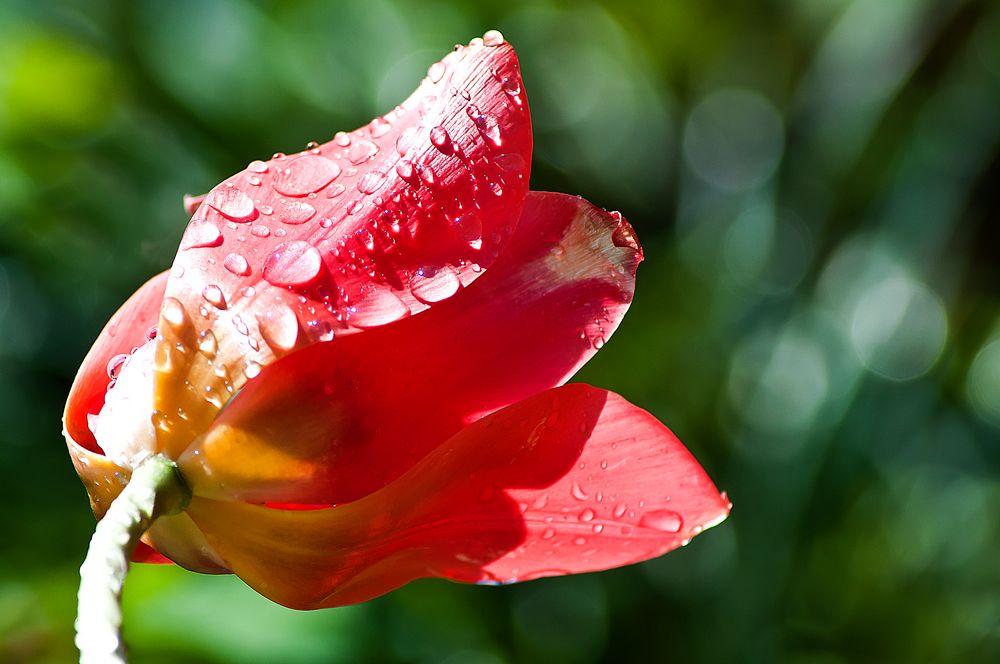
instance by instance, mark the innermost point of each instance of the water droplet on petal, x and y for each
(469, 228)
(377, 306)
(257, 166)
(342, 138)
(294, 263)
(295, 212)
(201, 235)
(489, 128)
(430, 285)
(405, 140)
(440, 139)
(578, 491)
(361, 151)
(306, 174)
(213, 295)
(548, 533)
(493, 38)
(436, 72)
(260, 230)
(251, 370)
(371, 182)
(379, 127)
(427, 174)
(511, 162)
(207, 344)
(580, 541)
(115, 365)
(335, 190)
(173, 312)
(587, 515)
(279, 328)
(667, 521)
(237, 264)
(232, 203)
(404, 168)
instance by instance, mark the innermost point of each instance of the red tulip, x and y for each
(357, 364)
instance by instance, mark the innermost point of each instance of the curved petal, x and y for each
(572, 480)
(297, 249)
(128, 328)
(334, 422)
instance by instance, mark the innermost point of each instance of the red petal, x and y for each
(334, 422)
(327, 240)
(572, 480)
(127, 329)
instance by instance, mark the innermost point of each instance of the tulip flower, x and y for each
(354, 373)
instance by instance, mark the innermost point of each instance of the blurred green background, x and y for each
(817, 186)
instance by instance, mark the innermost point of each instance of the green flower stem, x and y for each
(156, 488)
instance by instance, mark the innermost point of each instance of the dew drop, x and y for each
(489, 128)
(405, 140)
(430, 285)
(493, 38)
(294, 263)
(377, 306)
(232, 203)
(115, 365)
(667, 521)
(295, 212)
(207, 344)
(173, 312)
(511, 162)
(305, 175)
(213, 295)
(580, 541)
(251, 370)
(548, 533)
(371, 182)
(379, 127)
(469, 228)
(361, 151)
(587, 515)
(335, 190)
(436, 72)
(254, 180)
(578, 491)
(342, 138)
(201, 235)
(259, 230)
(427, 174)
(279, 327)
(440, 139)
(237, 264)
(257, 166)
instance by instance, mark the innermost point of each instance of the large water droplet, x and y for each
(489, 128)
(232, 203)
(440, 139)
(207, 344)
(213, 295)
(405, 140)
(251, 370)
(257, 166)
(469, 228)
(279, 328)
(377, 306)
(201, 235)
(436, 72)
(115, 365)
(361, 151)
(306, 174)
(493, 38)
(430, 285)
(371, 182)
(379, 127)
(237, 264)
(667, 521)
(294, 263)
(173, 313)
(295, 212)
